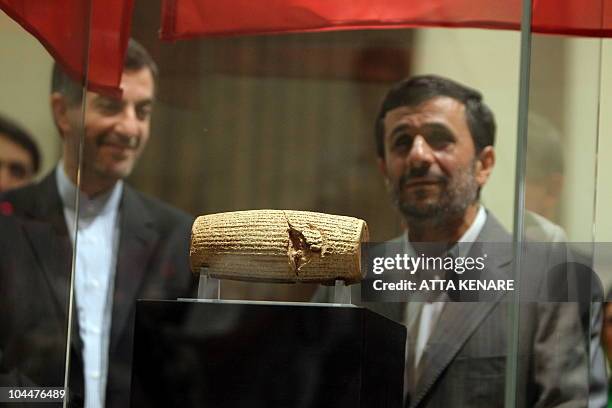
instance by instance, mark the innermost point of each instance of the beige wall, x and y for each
(26, 71)
(603, 215)
(580, 130)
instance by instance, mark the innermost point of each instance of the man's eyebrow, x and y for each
(146, 101)
(102, 98)
(401, 128)
(429, 126)
(436, 126)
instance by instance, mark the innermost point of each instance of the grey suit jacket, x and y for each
(35, 259)
(464, 363)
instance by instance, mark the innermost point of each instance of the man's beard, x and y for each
(455, 195)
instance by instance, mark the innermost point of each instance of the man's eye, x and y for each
(402, 143)
(18, 170)
(439, 140)
(109, 106)
(143, 112)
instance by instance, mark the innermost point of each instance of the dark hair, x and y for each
(21, 137)
(418, 89)
(136, 58)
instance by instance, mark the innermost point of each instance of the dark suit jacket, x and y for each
(35, 263)
(464, 364)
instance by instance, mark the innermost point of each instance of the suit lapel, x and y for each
(459, 320)
(137, 239)
(49, 238)
(51, 245)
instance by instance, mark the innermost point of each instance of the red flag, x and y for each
(62, 26)
(192, 18)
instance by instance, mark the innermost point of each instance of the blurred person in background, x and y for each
(19, 156)
(544, 179)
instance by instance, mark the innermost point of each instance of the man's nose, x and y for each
(420, 153)
(129, 124)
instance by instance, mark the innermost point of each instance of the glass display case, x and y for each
(243, 109)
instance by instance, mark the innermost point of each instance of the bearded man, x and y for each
(435, 146)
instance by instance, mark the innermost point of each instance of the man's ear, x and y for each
(60, 111)
(484, 165)
(382, 166)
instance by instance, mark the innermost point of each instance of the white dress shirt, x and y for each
(430, 312)
(96, 259)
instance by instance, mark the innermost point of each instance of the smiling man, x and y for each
(115, 131)
(129, 246)
(435, 146)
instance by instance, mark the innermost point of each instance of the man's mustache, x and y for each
(418, 175)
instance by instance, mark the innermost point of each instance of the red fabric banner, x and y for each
(183, 19)
(62, 26)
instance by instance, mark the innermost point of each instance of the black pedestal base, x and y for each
(251, 354)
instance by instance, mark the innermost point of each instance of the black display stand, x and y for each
(222, 354)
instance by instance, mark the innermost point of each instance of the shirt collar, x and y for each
(464, 244)
(103, 203)
(474, 230)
